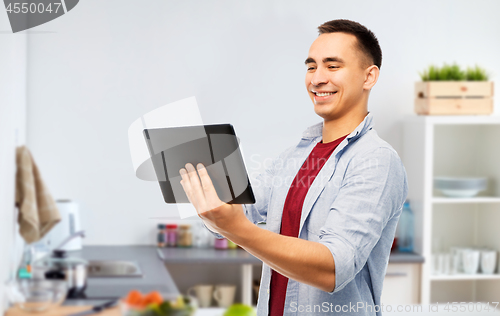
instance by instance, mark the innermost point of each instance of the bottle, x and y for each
(161, 236)
(406, 229)
(171, 235)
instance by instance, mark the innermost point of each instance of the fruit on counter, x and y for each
(240, 310)
(153, 304)
(135, 298)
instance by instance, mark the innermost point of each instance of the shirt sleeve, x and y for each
(373, 191)
(262, 190)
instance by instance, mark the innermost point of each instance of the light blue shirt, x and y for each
(352, 207)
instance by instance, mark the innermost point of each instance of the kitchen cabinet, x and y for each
(401, 284)
(461, 146)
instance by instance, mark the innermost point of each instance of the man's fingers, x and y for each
(186, 185)
(196, 189)
(211, 196)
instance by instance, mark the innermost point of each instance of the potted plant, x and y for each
(449, 90)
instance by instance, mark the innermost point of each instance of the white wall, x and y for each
(99, 67)
(12, 134)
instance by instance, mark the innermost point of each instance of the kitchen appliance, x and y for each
(69, 224)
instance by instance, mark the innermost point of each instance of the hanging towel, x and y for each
(37, 210)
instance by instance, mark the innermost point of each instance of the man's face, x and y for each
(335, 74)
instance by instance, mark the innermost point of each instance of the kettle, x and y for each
(69, 225)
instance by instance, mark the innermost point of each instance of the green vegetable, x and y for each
(181, 307)
(240, 310)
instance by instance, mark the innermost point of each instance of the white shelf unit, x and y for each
(454, 146)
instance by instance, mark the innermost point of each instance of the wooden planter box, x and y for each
(454, 97)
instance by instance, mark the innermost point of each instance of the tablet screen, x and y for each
(215, 146)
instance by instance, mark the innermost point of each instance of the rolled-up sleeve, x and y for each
(372, 192)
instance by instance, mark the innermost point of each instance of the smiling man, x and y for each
(331, 203)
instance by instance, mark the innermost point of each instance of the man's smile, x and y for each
(322, 95)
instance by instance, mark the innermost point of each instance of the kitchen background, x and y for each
(70, 88)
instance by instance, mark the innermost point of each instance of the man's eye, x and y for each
(332, 67)
(310, 68)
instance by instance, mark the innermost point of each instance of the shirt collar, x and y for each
(317, 129)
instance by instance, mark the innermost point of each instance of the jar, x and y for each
(160, 239)
(220, 243)
(171, 235)
(185, 236)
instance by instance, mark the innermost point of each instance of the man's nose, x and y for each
(319, 77)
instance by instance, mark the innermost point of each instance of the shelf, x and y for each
(478, 199)
(461, 277)
(455, 119)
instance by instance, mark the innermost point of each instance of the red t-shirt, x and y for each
(292, 211)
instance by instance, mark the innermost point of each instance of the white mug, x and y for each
(224, 294)
(470, 260)
(456, 260)
(488, 261)
(203, 293)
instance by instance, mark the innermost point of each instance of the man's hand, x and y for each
(218, 216)
(302, 260)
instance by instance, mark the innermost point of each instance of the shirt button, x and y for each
(268, 291)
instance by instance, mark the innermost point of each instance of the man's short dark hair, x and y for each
(367, 41)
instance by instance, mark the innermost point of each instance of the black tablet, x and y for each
(215, 146)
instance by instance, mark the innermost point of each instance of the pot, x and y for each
(60, 267)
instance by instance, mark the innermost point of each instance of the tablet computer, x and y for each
(215, 146)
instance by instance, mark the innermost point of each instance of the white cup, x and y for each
(488, 261)
(224, 294)
(446, 268)
(436, 264)
(203, 293)
(470, 260)
(456, 260)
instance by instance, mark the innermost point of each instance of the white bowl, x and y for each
(460, 186)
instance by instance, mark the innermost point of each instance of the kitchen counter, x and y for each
(206, 255)
(155, 277)
(405, 257)
(240, 256)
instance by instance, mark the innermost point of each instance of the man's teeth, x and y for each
(324, 94)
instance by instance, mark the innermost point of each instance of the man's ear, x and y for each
(371, 77)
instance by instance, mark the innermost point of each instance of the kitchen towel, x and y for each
(37, 210)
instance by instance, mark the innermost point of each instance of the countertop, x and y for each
(405, 257)
(155, 275)
(206, 255)
(240, 256)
